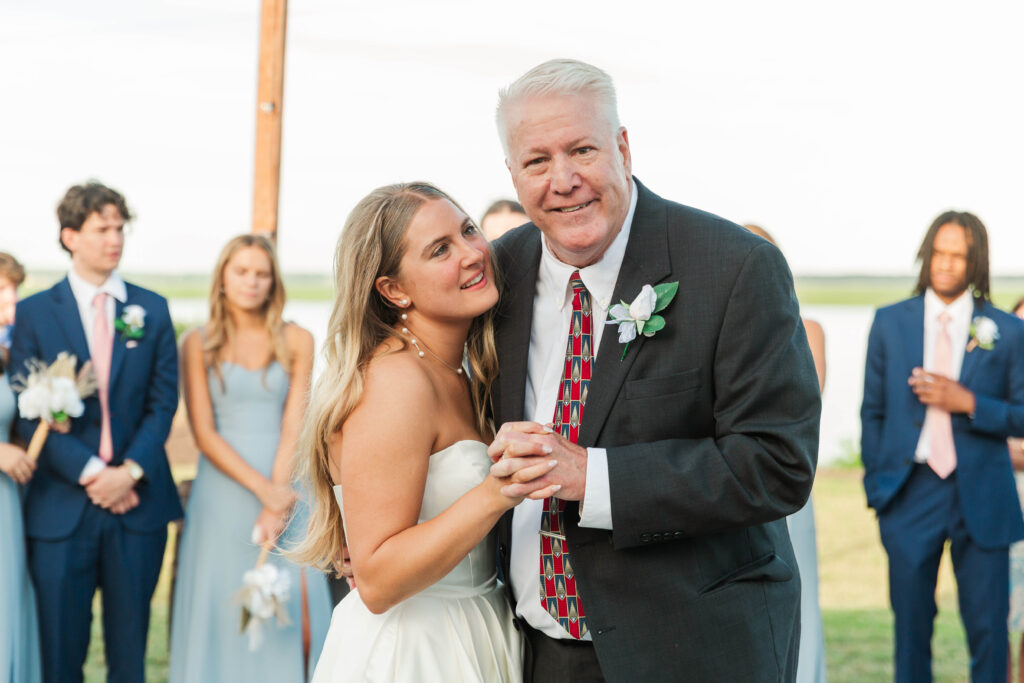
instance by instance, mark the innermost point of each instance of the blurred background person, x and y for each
(1016, 446)
(19, 630)
(502, 216)
(936, 466)
(246, 374)
(811, 665)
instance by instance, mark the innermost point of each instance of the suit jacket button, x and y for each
(907, 461)
(918, 424)
(656, 536)
(645, 538)
(501, 550)
(96, 422)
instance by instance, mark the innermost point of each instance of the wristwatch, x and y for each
(134, 470)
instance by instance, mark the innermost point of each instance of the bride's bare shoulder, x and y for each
(393, 370)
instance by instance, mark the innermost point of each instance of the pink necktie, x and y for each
(102, 349)
(942, 457)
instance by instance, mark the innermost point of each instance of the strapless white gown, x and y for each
(457, 630)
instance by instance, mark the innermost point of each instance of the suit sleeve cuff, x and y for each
(94, 466)
(596, 507)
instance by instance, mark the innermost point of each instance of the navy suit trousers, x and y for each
(914, 528)
(124, 565)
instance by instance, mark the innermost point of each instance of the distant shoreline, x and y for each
(825, 290)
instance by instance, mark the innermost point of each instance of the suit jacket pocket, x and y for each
(768, 567)
(663, 386)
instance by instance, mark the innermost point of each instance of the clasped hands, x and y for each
(113, 489)
(277, 498)
(941, 392)
(536, 462)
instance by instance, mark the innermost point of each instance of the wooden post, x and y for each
(269, 100)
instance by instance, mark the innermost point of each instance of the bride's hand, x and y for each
(515, 438)
(532, 472)
(276, 497)
(269, 526)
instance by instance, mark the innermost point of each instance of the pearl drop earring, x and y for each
(405, 317)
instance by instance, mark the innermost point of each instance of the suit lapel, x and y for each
(912, 332)
(69, 320)
(118, 342)
(513, 331)
(646, 261)
(970, 364)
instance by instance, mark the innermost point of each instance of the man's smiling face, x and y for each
(572, 172)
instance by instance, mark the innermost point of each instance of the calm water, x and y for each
(846, 335)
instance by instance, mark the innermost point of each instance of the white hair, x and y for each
(558, 77)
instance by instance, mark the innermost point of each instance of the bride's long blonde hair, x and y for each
(371, 245)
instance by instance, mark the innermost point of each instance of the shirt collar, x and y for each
(960, 309)
(599, 278)
(85, 291)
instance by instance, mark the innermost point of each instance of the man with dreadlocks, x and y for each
(943, 388)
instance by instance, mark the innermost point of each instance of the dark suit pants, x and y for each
(914, 529)
(124, 565)
(552, 660)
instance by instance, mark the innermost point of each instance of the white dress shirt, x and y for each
(960, 313)
(84, 292)
(552, 313)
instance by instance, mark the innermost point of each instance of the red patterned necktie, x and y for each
(558, 592)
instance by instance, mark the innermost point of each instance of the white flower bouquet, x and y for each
(53, 393)
(264, 594)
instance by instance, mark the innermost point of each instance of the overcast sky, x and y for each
(843, 128)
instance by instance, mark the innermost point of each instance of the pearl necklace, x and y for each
(415, 342)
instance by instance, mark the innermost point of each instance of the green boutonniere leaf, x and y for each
(653, 325)
(665, 292)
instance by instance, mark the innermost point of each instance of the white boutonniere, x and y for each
(132, 322)
(984, 333)
(640, 316)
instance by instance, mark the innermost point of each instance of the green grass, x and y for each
(854, 596)
(844, 290)
(300, 287)
(853, 593)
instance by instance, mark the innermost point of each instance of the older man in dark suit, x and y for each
(665, 554)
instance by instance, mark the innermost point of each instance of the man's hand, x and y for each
(941, 392)
(129, 502)
(520, 447)
(108, 487)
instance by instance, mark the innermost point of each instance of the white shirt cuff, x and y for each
(94, 466)
(596, 507)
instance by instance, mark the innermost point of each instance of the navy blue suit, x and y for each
(976, 507)
(75, 546)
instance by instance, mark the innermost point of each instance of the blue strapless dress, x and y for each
(216, 550)
(19, 631)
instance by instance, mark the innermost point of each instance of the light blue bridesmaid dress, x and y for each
(216, 550)
(811, 664)
(19, 631)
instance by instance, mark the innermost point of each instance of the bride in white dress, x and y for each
(395, 441)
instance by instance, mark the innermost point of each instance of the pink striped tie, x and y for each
(102, 350)
(942, 456)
